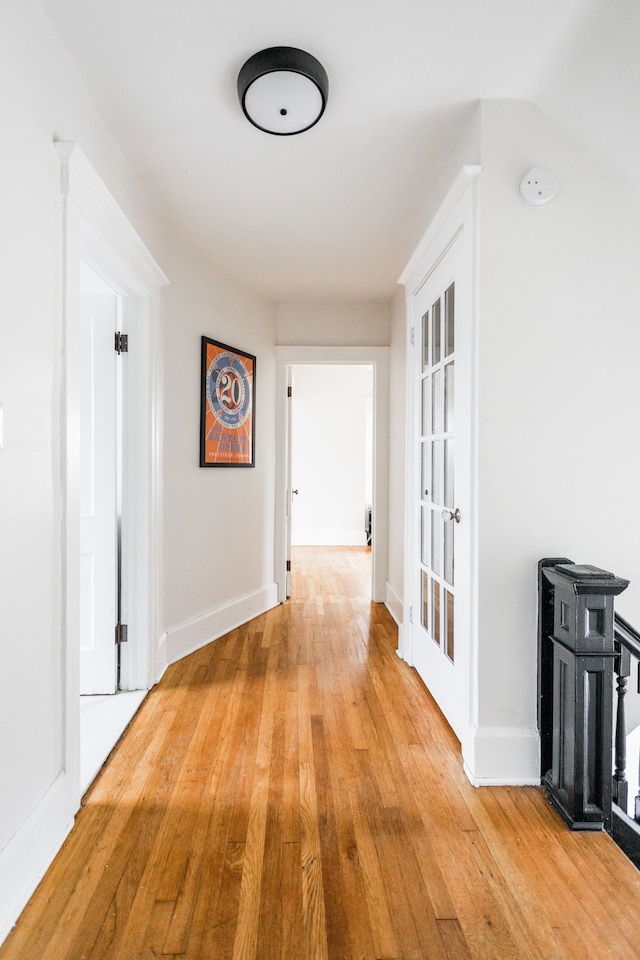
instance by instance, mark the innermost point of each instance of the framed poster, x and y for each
(227, 406)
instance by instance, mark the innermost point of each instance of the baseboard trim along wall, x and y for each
(27, 856)
(329, 538)
(199, 631)
(502, 756)
(393, 603)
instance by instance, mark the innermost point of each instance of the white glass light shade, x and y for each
(283, 90)
(283, 102)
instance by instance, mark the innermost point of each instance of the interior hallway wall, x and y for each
(41, 100)
(558, 449)
(219, 521)
(334, 324)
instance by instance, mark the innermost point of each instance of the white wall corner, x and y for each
(393, 603)
(199, 631)
(27, 856)
(502, 756)
(162, 657)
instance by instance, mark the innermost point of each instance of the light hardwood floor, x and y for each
(291, 792)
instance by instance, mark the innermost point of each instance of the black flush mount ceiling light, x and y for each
(283, 90)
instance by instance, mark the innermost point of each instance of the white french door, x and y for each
(440, 488)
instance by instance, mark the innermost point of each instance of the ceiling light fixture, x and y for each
(283, 90)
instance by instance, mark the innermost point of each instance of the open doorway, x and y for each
(105, 709)
(332, 455)
(377, 360)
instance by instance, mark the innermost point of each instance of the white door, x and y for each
(441, 499)
(99, 436)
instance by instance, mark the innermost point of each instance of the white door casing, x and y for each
(96, 232)
(444, 261)
(378, 357)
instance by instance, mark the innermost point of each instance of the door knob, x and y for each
(451, 515)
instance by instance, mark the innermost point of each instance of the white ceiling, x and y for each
(331, 215)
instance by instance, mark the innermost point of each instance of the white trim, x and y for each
(415, 272)
(198, 631)
(27, 856)
(96, 230)
(394, 604)
(378, 357)
(455, 222)
(107, 222)
(330, 538)
(502, 755)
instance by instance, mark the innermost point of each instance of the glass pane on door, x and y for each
(426, 535)
(437, 471)
(425, 488)
(435, 633)
(437, 403)
(449, 372)
(426, 407)
(425, 342)
(436, 333)
(425, 600)
(449, 648)
(449, 469)
(449, 536)
(449, 320)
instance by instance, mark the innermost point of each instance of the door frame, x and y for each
(455, 222)
(96, 231)
(378, 358)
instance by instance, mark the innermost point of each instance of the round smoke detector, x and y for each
(539, 187)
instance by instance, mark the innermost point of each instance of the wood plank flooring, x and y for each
(291, 792)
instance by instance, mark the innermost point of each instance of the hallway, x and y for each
(292, 792)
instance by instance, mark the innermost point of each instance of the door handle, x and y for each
(451, 515)
(294, 491)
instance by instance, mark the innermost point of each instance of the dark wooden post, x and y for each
(622, 666)
(579, 782)
(545, 663)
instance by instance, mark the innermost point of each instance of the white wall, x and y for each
(219, 522)
(557, 443)
(219, 537)
(329, 467)
(41, 99)
(558, 394)
(340, 325)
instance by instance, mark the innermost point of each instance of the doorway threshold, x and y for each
(103, 719)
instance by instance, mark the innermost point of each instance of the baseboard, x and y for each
(197, 632)
(27, 856)
(330, 538)
(393, 603)
(502, 756)
(162, 661)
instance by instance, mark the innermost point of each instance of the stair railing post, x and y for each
(622, 669)
(579, 782)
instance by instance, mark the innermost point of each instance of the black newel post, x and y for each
(580, 778)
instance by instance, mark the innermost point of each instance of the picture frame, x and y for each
(227, 406)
